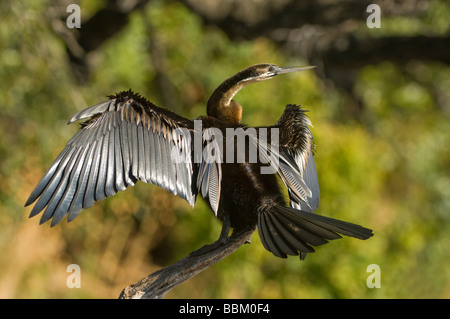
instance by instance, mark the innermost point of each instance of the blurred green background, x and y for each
(387, 168)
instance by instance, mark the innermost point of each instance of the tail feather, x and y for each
(287, 231)
(273, 241)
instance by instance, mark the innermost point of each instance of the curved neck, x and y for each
(221, 104)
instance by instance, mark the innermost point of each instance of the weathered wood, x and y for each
(159, 283)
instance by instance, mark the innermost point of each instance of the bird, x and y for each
(127, 138)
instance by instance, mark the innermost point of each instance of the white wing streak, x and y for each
(123, 141)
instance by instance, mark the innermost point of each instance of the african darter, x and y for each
(127, 138)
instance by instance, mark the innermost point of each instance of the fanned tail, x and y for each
(288, 231)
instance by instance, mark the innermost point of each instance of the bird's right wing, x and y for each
(125, 139)
(209, 177)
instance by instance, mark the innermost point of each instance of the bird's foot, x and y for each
(223, 239)
(210, 247)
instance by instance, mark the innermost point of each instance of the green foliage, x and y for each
(390, 171)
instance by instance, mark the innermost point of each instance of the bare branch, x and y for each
(159, 283)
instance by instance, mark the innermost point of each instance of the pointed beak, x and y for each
(278, 70)
(275, 70)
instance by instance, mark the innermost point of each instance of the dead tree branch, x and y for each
(159, 283)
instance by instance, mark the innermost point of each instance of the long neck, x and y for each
(221, 104)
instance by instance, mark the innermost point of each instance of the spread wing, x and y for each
(294, 158)
(125, 139)
(303, 195)
(209, 175)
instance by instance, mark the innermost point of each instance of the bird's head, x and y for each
(221, 104)
(261, 72)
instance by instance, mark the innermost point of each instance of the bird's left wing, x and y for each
(125, 139)
(294, 158)
(304, 194)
